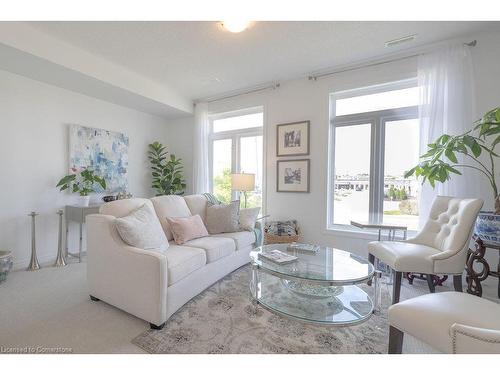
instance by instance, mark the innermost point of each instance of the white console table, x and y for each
(77, 214)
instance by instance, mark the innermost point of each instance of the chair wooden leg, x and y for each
(498, 270)
(457, 283)
(371, 259)
(155, 327)
(430, 282)
(395, 340)
(396, 287)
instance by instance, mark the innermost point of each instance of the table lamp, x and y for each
(243, 182)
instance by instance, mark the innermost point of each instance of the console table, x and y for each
(77, 214)
(476, 257)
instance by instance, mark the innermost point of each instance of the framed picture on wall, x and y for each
(293, 176)
(292, 139)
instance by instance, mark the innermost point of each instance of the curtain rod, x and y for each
(273, 86)
(311, 77)
(314, 77)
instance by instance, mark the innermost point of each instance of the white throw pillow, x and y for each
(142, 229)
(223, 218)
(248, 217)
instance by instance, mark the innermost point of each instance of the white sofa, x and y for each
(153, 285)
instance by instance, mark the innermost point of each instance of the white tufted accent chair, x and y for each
(450, 322)
(439, 248)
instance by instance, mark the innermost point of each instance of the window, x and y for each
(374, 139)
(236, 145)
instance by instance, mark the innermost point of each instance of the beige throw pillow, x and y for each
(223, 218)
(187, 228)
(142, 229)
(248, 217)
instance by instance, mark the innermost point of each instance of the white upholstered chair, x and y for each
(439, 248)
(450, 322)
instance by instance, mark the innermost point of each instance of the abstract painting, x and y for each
(103, 151)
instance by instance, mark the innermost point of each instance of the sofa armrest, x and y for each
(132, 279)
(468, 340)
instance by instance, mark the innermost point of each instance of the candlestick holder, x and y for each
(34, 265)
(60, 260)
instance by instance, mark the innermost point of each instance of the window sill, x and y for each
(364, 234)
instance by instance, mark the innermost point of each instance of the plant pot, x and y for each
(5, 264)
(488, 227)
(83, 201)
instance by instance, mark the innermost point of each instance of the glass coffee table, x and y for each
(321, 287)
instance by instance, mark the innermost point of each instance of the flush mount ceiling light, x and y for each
(235, 26)
(397, 41)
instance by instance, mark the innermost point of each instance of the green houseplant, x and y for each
(82, 183)
(166, 171)
(477, 146)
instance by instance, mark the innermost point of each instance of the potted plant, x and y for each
(82, 183)
(477, 146)
(166, 172)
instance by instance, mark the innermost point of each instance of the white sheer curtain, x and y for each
(445, 78)
(200, 152)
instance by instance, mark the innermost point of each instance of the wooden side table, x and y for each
(77, 214)
(476, 257)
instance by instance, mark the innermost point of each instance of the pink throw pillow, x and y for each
(187, 228)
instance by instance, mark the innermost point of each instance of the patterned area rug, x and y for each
(223, 320)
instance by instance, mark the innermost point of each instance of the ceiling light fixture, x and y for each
(397, 41)
(235, 26)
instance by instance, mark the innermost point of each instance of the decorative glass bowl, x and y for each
(5, 264)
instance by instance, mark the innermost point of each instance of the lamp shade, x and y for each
(243, 181)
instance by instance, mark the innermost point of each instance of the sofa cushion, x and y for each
(142, 229)
(241, 239)
(171, 206)
(187, 228)
(123, 207)
(223, 218)
(215, 247)
(248, 216)
(197, 204)
(404, 256)
(183, 260)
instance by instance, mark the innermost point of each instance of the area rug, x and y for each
(223, 320)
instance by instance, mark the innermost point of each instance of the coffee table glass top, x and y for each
(327, 265)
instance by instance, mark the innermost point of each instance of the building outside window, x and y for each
(236, 146)
(374, 140)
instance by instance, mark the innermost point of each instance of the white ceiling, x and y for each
(198, 59)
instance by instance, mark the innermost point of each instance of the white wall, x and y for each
(34, 120)
(180, 140)
(306, 100)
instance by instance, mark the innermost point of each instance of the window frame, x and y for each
(235, 136)
(377, 120)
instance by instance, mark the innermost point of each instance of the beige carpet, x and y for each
(223, 320)
(51, 308)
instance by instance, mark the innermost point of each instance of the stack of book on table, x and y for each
(278, 257)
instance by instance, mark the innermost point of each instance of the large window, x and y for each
(374, 139)
(236, 147)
